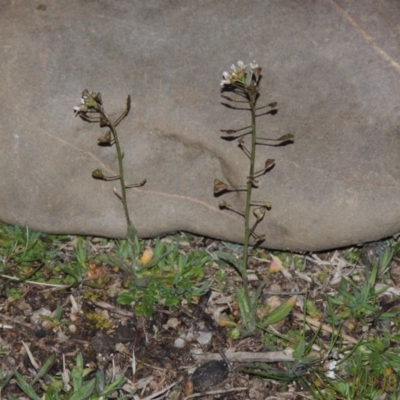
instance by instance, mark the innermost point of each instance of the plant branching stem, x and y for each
(247, 230)
(131, 234)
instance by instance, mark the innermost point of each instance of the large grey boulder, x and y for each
(332, 66)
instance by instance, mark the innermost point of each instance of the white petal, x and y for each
(253, 65)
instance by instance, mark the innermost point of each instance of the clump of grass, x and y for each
(173, 277)
(78, 383)
(27, 257)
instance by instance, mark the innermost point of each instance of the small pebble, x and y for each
(102, 343)
(171, 323)
(274, 302)
(275, 288)
(209, 374)
(204, 338)
(40, 333)
(252, 278)
(179, 343)
(61, 335)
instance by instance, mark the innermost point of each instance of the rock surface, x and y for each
(332, 66)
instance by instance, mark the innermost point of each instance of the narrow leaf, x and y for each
(25, 387)
(45, 368)
(279, 313)
(84, 392)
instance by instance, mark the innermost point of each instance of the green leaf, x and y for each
(99, 381)
(77, 373)
(85, 391)
(299, 351)
(279, 313)
(125, 298)
(75, 272)
(117, 384)
(5, 379)
(45, 368)
(247, 312)
(25, 387)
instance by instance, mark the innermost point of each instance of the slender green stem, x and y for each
(247, 229)
(131, 228)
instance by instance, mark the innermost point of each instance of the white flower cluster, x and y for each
(238, 73)
(90, 101)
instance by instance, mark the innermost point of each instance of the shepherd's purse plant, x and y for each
(91, 110)
(243, 82)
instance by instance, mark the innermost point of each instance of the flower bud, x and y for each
(98, 174)
(259, 213)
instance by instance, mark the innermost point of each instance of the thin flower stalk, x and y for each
(244, 81)
(247, 229)
(91, 110)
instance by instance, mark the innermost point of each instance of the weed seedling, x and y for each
(157, 275)
(91, 110)
(243, 82)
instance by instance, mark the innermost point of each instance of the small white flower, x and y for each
(240, 67)
(239, 70)
(225, 82)
(227, 79)
(238, 74)
(253, 65)
(80, 108)
(330, 373)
